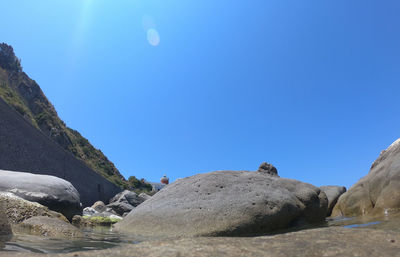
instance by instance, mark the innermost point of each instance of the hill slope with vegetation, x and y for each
(27, 98)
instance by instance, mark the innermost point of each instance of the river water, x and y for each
(103, 237)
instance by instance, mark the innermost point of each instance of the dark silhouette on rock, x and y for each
(268, 168)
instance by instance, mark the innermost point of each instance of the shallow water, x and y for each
(388, 222)
(94, 239)
(103, 237)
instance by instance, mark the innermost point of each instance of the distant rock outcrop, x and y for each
(376, 193)
(227, 203)
(125, 201)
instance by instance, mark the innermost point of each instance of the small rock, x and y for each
(79, 221)
(50, 227)
(115, 217)
(120, 208)
(127, 197)
(108, 209)
(145, 196)
(89, 211)
(99, 206)
(268, 168)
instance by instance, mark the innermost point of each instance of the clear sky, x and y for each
(181, 87)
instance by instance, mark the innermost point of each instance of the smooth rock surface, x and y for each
(333, 193)
(17, 209)
(328, 242)
(226, 203)
(49, 227)
(378, 192)
(57, 194)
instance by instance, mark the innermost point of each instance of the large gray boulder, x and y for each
(57, 194)
(227, 203)
(378, 192)
(333, 193)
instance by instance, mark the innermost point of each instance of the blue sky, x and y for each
(309, 86)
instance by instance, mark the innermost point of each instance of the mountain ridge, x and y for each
(26, 97)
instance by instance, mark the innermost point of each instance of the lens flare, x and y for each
(153, 37)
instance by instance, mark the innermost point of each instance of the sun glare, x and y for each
(149, 25)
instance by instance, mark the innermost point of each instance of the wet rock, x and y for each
(93, 221)
(227, 203)
(333, 193)
(57, 194)
(378, 192)
(79, 221)
(18, 209)
(328, 242)
(49, 227)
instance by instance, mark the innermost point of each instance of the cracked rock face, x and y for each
(378, 192)
(226, 203)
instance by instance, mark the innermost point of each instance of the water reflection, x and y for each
(95, 239)
(103, 237)
(387, 222)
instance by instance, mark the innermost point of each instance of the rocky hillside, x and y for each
(25, 96)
